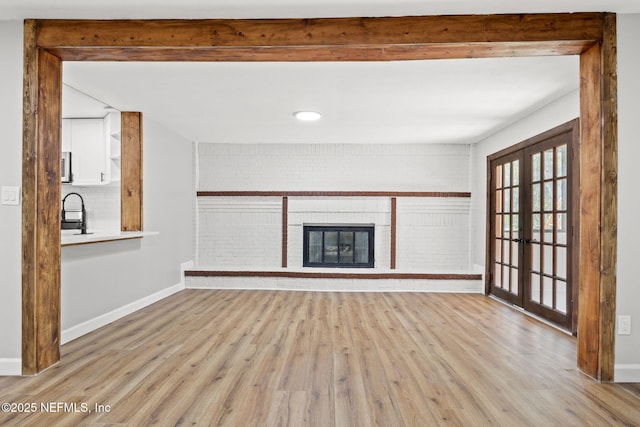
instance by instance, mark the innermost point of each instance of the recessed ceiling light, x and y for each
(307, 116)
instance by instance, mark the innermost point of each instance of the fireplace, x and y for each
(338, 246)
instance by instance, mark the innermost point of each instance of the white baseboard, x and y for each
(628, 373)
(10, 367)
(83, 328)
(336, 285)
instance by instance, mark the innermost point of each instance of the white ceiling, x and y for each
(452, 101)
(415, 101)
(112, 9)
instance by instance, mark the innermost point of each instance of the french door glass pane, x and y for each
(547, 259)
(547, 291)
(561, 296)
(548, 228)
(506, 251)
(536, 198)
(498, 225)
(561, 195)
(561, 161)
(514, 281)
(548, 196)
(516, 172)
(535, 257)
(548, 164)
(507, 200)
(561, 262)
(507, 175)
(535, 167)
(499, 176)
(561, 228)
(505, 277)
(497, 270)
(498, 254)
(516, 199)
(536, 227)
(499, 201)
(535, 287)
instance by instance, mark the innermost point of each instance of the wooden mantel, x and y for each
(50, 42)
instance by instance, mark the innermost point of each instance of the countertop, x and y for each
(73, 237)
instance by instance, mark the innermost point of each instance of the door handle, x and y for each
(525, 241)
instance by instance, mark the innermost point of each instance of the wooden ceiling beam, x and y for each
(336, 39)
(325, 53)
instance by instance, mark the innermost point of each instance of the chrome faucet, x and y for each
(74, 223)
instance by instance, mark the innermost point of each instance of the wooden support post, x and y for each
(598, 205)
(41, 206)
(131, 180)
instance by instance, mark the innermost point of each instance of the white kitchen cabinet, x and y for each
(90, 150)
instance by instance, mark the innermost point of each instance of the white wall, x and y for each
(627, 352)
(98, 279)
(10, 216)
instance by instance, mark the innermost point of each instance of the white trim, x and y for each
(627, 373)
(83, 328)
(10, 367)
(187, 265)
(336, 285)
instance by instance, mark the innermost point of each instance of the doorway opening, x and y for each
(532, 225)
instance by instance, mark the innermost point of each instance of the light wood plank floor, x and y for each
(276, 358)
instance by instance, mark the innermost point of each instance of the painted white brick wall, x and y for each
(333, 167)
(240, 231)
(433, 234)
(340, 210)
(245, 232)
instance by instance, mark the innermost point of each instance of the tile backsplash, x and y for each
(101, 202)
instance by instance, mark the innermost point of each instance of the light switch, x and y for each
(624, 325)
(10, 196)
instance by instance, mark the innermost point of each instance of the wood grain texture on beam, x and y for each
(609, 199)
(29, 200)
(335, 39)
(325, 32)
(41, 207)
(590, 160)
(131, 169)
(325, 53)
(598, 226)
